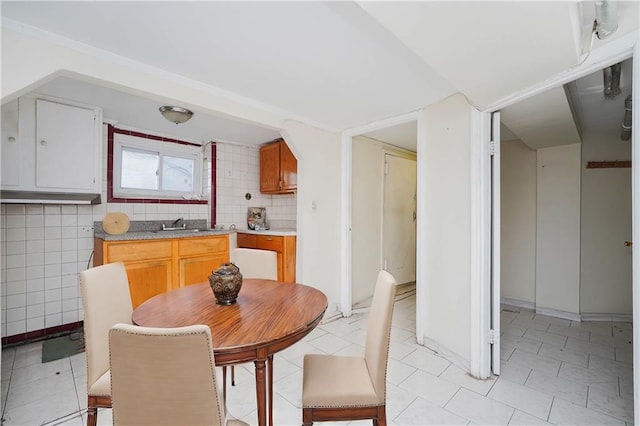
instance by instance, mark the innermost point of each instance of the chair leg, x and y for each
(224, 386)
(382, 417)
(92, 415)
(307, 417)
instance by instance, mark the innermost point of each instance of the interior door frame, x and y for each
(615, 51)
(346, 213)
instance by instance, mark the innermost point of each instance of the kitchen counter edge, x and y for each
(160, 235)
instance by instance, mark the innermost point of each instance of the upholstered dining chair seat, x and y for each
(332, 381)
(102, 386)
(341, 388)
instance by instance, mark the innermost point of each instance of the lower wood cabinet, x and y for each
(283, 245)
(157, 266)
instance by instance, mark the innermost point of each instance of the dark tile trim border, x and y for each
(41, 334)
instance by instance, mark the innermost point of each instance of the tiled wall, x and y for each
(44, 247)
(238, 173)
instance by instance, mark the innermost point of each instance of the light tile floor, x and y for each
(553, 372)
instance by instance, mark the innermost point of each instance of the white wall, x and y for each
(445, 156)
(518, 227)
(366, 223)
(318, 210)
(367, 210)
(558, 225)
(606, 223)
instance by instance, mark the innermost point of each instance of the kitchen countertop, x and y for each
(151, 230)
(158, 235)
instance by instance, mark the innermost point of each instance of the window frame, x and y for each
(136, 141)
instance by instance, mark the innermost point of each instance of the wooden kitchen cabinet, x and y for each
(157, 266)
(278, 168)
(198, 257)
(283, 245)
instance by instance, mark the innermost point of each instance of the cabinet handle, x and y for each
(43, 142)
(269, 239)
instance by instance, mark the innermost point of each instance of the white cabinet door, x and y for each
(10, 145)
(65, 146)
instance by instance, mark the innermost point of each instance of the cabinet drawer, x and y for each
(128, 251)
(269, 242)
(192, 246)
(246, 240)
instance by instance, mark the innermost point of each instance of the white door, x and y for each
(399, 218)
(495, 243)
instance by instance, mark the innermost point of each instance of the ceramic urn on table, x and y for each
(226, 282)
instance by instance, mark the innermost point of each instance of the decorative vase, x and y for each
(225, 283)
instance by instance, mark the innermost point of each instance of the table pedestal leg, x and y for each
(261, 391)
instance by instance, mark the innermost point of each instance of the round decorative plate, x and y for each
(115, 223)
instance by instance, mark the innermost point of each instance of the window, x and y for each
(147, 168)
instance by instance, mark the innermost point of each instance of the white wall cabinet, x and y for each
(10, 146)
(58, 147)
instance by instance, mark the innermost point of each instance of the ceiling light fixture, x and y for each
(176, 114)
(606, 18)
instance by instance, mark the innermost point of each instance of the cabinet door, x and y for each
(288, 169)
(65, 141)
(246, 240)
(270, 168)
(10, 148)
(194, 270)
(147, 279)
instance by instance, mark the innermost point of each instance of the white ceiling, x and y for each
(335, 65)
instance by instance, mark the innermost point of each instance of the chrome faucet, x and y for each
(174, 226)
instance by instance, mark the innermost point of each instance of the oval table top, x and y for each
(267, 317)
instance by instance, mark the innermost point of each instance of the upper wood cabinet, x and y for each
(278, 168)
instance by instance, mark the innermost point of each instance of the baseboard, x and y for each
(608, 317)
(448, 354)
(558, 314)
(518, 303)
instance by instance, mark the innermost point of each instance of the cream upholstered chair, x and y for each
(352, 388)
(254, 263)
(164, 376)
(106, 301)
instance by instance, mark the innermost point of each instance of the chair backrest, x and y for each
(254, 263)
(163, 376)
(106, 301)
(376, 351)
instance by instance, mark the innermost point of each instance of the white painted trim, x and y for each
(345, 218)
(480, 257)
(635, 200)
(421, 232)
(346, 213)
(607, 317)
(517, 303)
(571, 316)
(446, 353)
(611, 53)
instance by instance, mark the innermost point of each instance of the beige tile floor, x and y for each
(554, 372)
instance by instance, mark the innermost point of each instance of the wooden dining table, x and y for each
(268, 316)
